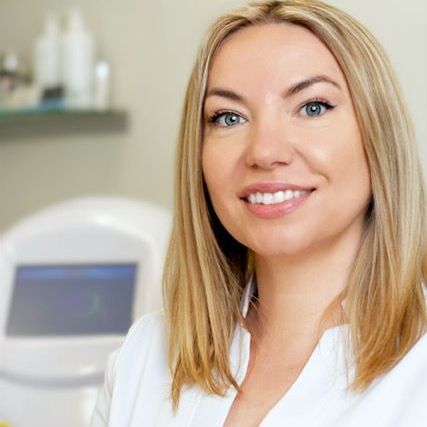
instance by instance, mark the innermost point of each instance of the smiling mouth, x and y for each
(258, 198)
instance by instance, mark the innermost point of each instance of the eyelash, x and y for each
(214, 117)
(320, 101)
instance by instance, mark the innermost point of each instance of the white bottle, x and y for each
(102, 85)
(47, 74)
(78, 61)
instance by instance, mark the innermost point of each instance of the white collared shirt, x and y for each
(137, 387)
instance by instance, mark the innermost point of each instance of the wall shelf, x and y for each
(49, 123)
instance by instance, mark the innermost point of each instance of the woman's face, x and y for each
(282, 158)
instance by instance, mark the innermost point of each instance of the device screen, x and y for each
(50, 300)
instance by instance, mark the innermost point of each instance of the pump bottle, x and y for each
(78, 61)
(47, 55)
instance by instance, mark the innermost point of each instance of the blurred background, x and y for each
(150, 48)
(98, 116)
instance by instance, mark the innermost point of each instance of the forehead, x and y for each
(274, 53)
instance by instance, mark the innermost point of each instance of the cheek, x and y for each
(220, 164)
(216, 170)
(209, 164)
(351, 164)
(345, 169)
(222, 175)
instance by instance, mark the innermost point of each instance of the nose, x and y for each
(269, 144)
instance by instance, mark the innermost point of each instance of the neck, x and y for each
(295, 293)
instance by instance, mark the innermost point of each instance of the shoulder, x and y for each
(138, 374)
(146, 339)
(415, 359)
(146, 328)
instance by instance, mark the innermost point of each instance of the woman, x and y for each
(294, 279)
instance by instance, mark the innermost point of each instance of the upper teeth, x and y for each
(273, 198)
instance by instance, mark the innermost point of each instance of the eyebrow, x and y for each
(300, 86)
(291, 91)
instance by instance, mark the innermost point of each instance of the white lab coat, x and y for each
(136, 390)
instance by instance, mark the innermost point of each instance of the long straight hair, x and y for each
(206, 269)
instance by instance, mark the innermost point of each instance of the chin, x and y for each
(282, 253)
(278, 246)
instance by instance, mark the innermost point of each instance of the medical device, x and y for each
(72, 280)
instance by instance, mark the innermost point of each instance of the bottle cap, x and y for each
(75, 22)
(51, 26)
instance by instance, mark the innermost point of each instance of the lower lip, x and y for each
(277, 210)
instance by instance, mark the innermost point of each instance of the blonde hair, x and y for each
(206, 269)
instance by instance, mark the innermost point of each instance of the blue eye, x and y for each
(226, 119)
(316, 108)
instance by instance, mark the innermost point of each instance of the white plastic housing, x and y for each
(58, 377)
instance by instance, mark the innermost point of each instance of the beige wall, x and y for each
(151, 45)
